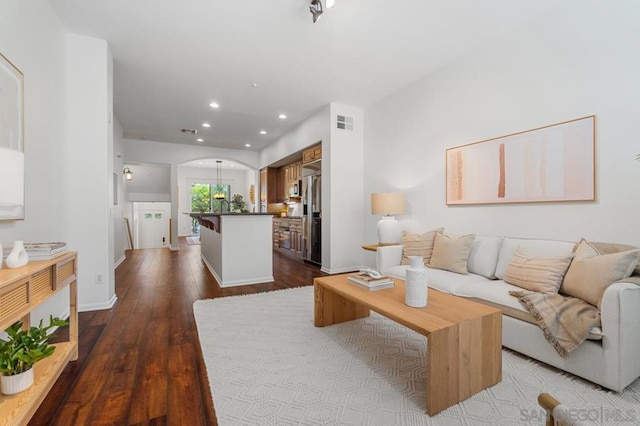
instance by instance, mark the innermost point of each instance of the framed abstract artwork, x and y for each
(547, 164)
(11, 141)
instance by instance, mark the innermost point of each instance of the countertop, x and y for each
(205, 214)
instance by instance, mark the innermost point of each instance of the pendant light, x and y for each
(219, 192)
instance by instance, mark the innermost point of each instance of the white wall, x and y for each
(311, 131)
(187, 176)
(119, 230)
(342, 171)
(33, 39)
(90, 135)
(574, 61)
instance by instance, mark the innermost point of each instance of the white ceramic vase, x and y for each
(11, 385)
(416, 286)
(18, 256)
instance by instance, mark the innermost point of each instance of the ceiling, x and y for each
(173, 58)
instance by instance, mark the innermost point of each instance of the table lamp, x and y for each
(388, 204)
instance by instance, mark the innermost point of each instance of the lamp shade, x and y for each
(387, 203)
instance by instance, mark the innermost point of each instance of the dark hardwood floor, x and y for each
(140, 362)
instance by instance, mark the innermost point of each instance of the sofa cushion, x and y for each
(495, 293)
(441, 280)
(533, 248)
(541, 274)
(451, 253)
(483, 256)
(608, 248)
(591, 273)
(418, 245)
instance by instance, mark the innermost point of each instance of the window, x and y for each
(202, 200)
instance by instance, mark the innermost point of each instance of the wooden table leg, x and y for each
(331, 308)
(463, 360)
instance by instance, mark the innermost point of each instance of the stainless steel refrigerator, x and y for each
(312, 212)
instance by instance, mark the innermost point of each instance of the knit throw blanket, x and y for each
(564, 320)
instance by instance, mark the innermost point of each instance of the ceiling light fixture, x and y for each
(214, 105)
(282, 116)
(199, 140)
(128, 174)
(248, 145)
(263, 132)
(316, 10)
(219, 192)
(206, 125)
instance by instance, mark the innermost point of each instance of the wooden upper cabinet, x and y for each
(271, 185)
(263, 184)
(312, 154)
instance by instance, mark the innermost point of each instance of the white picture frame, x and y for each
(11, 141)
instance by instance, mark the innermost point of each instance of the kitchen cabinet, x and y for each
(271, 185)
(292, 176)
(276, 233)
(312, 154)
(295, 230)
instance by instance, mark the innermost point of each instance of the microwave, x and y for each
(295, 190)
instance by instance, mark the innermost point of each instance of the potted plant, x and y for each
(20, 351)
(238, 203)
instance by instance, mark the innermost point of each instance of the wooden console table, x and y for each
(21, 290)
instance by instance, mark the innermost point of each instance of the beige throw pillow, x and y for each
(591, 273)
(451, 253)
(541, 274)
(418, 245)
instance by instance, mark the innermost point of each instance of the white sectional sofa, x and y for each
(610, 357)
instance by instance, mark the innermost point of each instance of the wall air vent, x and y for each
(189, 131)
(344, 122)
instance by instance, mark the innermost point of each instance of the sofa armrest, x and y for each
(388, 256)
(620, 309)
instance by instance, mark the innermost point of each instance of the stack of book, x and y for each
(41, 251)
(364, 281)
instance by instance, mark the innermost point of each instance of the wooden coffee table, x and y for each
(464, 338)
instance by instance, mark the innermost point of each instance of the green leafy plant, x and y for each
(23, 348)
(238, 203)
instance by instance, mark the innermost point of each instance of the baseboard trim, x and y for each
(122, 259)
(340, 270)
(87, 307)
(261, 280)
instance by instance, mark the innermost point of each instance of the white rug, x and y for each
(268, 364)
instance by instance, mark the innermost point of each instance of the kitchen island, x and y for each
(237, 247)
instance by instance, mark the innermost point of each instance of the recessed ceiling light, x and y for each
(254, 84)
(206, 125)
(248, 145)
(214, 105)
(200, 162)
(231, 165)
(263, 132)
(200, 140)
(282, 116)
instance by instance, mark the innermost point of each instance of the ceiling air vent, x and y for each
(345, 123)
(190, 131)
